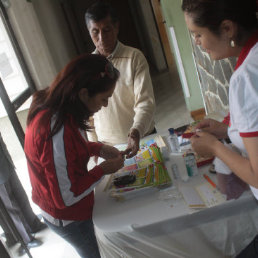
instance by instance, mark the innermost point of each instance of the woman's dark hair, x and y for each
(210, 14)
(93, 72)
(99, 11)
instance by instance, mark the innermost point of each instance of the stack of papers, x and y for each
(210, 195)
(192, 198)
(201, 196)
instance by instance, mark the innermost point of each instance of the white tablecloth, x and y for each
(149, 226)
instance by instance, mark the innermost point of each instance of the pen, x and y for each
(209, 180)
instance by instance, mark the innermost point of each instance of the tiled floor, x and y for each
(171, 112)
(171, 109)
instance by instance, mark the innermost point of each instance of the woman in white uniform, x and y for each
(228, 28)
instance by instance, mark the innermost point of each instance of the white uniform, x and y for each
(243, 103)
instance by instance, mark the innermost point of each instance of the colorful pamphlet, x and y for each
(145, 170)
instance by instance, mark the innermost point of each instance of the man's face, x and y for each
(104, 35)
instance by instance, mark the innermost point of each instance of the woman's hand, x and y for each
(109, 152)
(204, 144)
(112, 165)
(214, 127)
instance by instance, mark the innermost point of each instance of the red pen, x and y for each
(209, 180)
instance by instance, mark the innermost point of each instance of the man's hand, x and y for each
(133, 143)
(214, 127)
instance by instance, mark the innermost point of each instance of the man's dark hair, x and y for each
(99, 11)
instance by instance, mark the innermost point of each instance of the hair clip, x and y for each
(109, 71)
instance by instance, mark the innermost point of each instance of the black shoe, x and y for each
(31, 244)
(34, 243)
(40, 226)
(10, 242)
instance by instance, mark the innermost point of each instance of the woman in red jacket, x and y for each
(58, 151)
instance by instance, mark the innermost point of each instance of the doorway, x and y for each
(160, 21)
(74, 11)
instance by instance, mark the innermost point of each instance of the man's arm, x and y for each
(144, 106)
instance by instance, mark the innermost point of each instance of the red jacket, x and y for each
(61, 183)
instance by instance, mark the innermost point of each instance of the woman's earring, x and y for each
(232, 43)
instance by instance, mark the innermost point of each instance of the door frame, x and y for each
(161, 25)
(12, 106)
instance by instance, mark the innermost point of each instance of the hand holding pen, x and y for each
(218, 129)
(204, 144)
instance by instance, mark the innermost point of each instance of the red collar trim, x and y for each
(250, 134)
(246, 48)
(226, 120)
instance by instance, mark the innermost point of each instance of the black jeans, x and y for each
(81, 235)
(251, 251)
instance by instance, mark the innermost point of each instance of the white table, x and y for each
(147, 226)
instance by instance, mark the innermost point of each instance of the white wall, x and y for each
(56, 32)
(32, 42)
(43, 37)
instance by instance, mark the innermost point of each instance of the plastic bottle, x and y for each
(173, 141)
(190, 163)
(178, 166)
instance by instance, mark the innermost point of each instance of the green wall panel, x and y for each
(174, 17)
